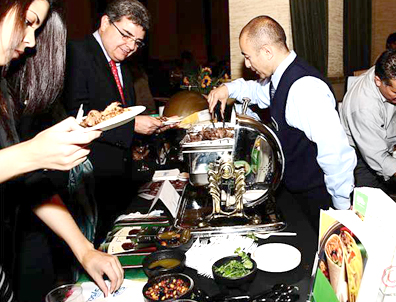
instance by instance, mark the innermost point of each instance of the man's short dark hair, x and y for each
(131, 9)
(391, 40)
(264, 30)
(385, 67)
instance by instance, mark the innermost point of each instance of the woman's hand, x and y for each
(57, 217)
(62, 146)
(98, 264)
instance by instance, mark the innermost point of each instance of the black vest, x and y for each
(302, 171)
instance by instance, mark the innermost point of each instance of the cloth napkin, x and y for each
(130, 290)
(138, 215)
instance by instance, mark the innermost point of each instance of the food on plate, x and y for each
(336, 265)
(95, 117)
(236, 268)
(167, 263)
(211, 134)
(169, 288)
(354, 264)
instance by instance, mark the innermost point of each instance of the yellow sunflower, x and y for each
(206, 81)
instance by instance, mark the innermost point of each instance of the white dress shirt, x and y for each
(118, 64)
(310, 108)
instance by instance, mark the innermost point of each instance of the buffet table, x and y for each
(305, 242)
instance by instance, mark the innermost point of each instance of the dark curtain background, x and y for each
(357, 35)
(310, 31)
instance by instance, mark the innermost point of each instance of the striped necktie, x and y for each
(117, 79)
(272, 91)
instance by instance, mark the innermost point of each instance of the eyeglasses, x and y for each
(128, 38)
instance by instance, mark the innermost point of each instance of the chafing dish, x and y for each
(232, 175)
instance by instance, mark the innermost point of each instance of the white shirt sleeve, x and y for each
(256, 91)
(311, 108)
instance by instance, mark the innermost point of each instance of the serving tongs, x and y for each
(216, 113)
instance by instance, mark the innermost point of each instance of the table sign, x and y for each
(355, 260)
(169, 197)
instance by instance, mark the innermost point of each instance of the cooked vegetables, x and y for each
(236, 268)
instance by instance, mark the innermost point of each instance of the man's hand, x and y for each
(98, 264)
(170, 126)
(145, 124)
(219, 94)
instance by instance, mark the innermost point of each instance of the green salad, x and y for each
(236, 268)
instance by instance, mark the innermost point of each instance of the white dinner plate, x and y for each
(118, 120)
(276, 257)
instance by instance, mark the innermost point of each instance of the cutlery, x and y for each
(80, 114)
(267, 235)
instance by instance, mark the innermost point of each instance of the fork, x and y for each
(80, 114)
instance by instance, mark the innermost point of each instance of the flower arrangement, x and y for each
(203, 81)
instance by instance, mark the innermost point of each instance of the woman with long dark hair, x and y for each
(32, 86)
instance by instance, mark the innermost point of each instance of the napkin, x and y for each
(138, 215)
(204, 251)
(129, 289)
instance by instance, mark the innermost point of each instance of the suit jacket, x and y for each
(89, 81)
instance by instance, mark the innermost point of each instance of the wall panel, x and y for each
(241, 12)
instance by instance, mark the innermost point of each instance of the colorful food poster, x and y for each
(355, 261)
(342, 258)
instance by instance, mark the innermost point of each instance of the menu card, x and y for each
(169, 197)
(356, 251)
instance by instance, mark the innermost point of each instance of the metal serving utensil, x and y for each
(268, 235)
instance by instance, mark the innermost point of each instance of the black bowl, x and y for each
(154, 280)
(163, 254)
(233, 282)
(163, 244)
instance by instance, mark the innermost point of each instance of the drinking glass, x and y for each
(66, 293)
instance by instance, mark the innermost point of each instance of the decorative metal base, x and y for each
(196, 205)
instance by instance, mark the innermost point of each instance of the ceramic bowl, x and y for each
(161, 255)
(233, 282)
(155, 280)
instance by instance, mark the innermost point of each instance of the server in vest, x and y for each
(96, 75)
(368, 114)
(319, 161)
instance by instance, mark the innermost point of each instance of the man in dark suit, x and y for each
(95, 77)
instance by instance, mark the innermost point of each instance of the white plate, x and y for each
(276, 257)
(172, 121)
(118, 120)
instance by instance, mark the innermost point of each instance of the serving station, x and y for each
(234, 167)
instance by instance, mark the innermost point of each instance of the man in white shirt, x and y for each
(368, 115)
(319, 161)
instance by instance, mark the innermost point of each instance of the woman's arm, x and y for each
(60, 147)
(57, 217)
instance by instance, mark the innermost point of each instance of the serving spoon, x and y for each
(268, 235)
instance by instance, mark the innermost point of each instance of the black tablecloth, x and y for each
(305, 241)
